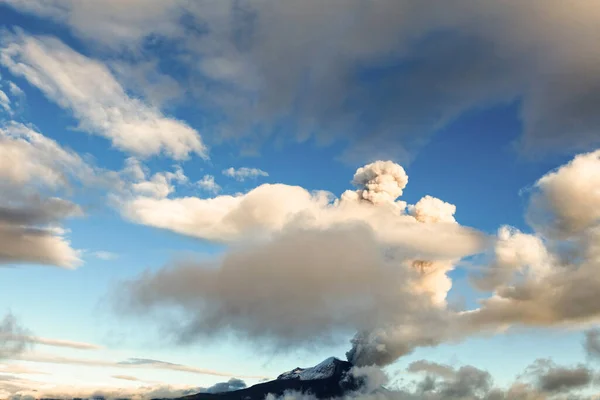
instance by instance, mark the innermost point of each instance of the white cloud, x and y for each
(334, 266)
(105, 255)
(549, 278)
(88, 89)
(5, 102)
(63, 343)
(208, 184)
(29, 223)
(15, 90)
(243, 173)
(41, 160)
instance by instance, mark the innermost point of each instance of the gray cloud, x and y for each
(13, 337)
(27, 234)
(426, 64)
(315, 270)
(229, 386)
(444, 371)
(592, 343)
(554, 379)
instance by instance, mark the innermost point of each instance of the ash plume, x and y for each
(319, 269)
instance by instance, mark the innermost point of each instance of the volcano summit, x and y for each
(329, 379)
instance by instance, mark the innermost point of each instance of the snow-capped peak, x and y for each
(323, 370)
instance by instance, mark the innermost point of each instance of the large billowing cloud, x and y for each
(304, 266)
(30, 219)
(88, 89)
(550, 277)
(425, 63)
(317, 267)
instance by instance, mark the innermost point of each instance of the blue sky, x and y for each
(474, 110)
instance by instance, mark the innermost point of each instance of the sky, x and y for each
(201, 192)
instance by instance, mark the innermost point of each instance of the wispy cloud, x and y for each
(101, 104)
(243, 173)
(105, 255)
(135, 363)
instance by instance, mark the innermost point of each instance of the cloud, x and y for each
(132, 363)
(444, 371)
(24, 240)
(13, 337)
(229, 386)
(5, 102)
(30, 390)
(41, 160)
(552, 378)
(592, 343)
(566, 200)
(158, 186)
(318, 268)
(549, 278)
(101, 104)
(105, 255)
(243, 173)
(126, 378)
(270, 208)
(208, 184)
(63, 343)
(427, 64)
(31, 213)
(304, 267)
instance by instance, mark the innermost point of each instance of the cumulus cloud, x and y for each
(32, 207)
(361, 263)
(566, 200)
(261, 57)
(553, 379)
(159, 185)
(26, 237)
(243, 173)
(29, 223)
(101, 104)
(549, 277)
(208, 184)
(40, 159)
(358, 263)
(441, 382)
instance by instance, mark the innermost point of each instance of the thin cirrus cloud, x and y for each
(133, 363)
(101, 105)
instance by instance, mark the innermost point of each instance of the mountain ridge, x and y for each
(329, 379)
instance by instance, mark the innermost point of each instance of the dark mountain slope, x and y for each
(326, 380)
